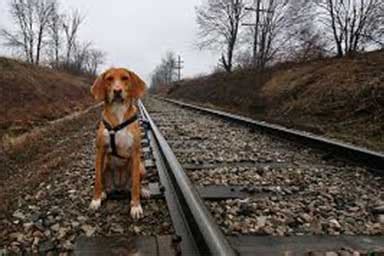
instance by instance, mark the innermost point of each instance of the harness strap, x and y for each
(112, 132)
(120, 126)
(113, 143)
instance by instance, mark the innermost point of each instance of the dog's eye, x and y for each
(124, 78)
(109, 79)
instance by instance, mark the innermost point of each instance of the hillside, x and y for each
(337, 98)
(32, 96)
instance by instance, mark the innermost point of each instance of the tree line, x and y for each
(165, 73)
(259, 33)
(43, 34)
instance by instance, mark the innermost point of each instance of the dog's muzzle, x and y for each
(118, 95)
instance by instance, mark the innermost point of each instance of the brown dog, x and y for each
(118, 142)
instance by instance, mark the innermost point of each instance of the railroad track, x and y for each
(220, 186)
(233, 187)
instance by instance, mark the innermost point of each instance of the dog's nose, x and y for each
(117, 91)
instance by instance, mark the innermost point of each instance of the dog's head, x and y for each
(118, 85)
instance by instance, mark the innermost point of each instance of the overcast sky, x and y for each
(136, 34)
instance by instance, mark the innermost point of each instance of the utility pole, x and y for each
(256, 26)
(179, 67)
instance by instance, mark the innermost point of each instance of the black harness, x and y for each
(113, 130)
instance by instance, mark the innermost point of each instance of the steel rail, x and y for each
(198, 221)
(361, 156)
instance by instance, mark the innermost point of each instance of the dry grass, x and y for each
(32, 96)
(338, 98)
(15, 144)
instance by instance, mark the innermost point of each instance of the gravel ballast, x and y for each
(309, 192)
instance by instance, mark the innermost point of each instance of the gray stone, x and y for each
(88, 229)
(55, 227)
(46, 246)
(117, 228)
(18, 214)
(380, 218)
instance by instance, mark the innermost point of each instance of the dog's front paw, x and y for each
(137, 212)
(145, 193)
(95, 204)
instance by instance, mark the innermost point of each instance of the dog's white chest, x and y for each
(123, 142)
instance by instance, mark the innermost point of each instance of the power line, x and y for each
(179, 67)
(256, 26)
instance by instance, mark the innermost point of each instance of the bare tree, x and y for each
(169, 64)
(306, 40)
(55, 29)
(353, 24)
(219, 23)
(165, 73)
(41, 29)
(23, 37)
(44, 10)
(71, 24)
(31, 18)
(308, 46)
(95, 59)
(159, 78)
(270, 31)
(85, 60)
(78, 63)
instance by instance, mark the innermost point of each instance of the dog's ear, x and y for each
(98, 88)
(138, 86)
